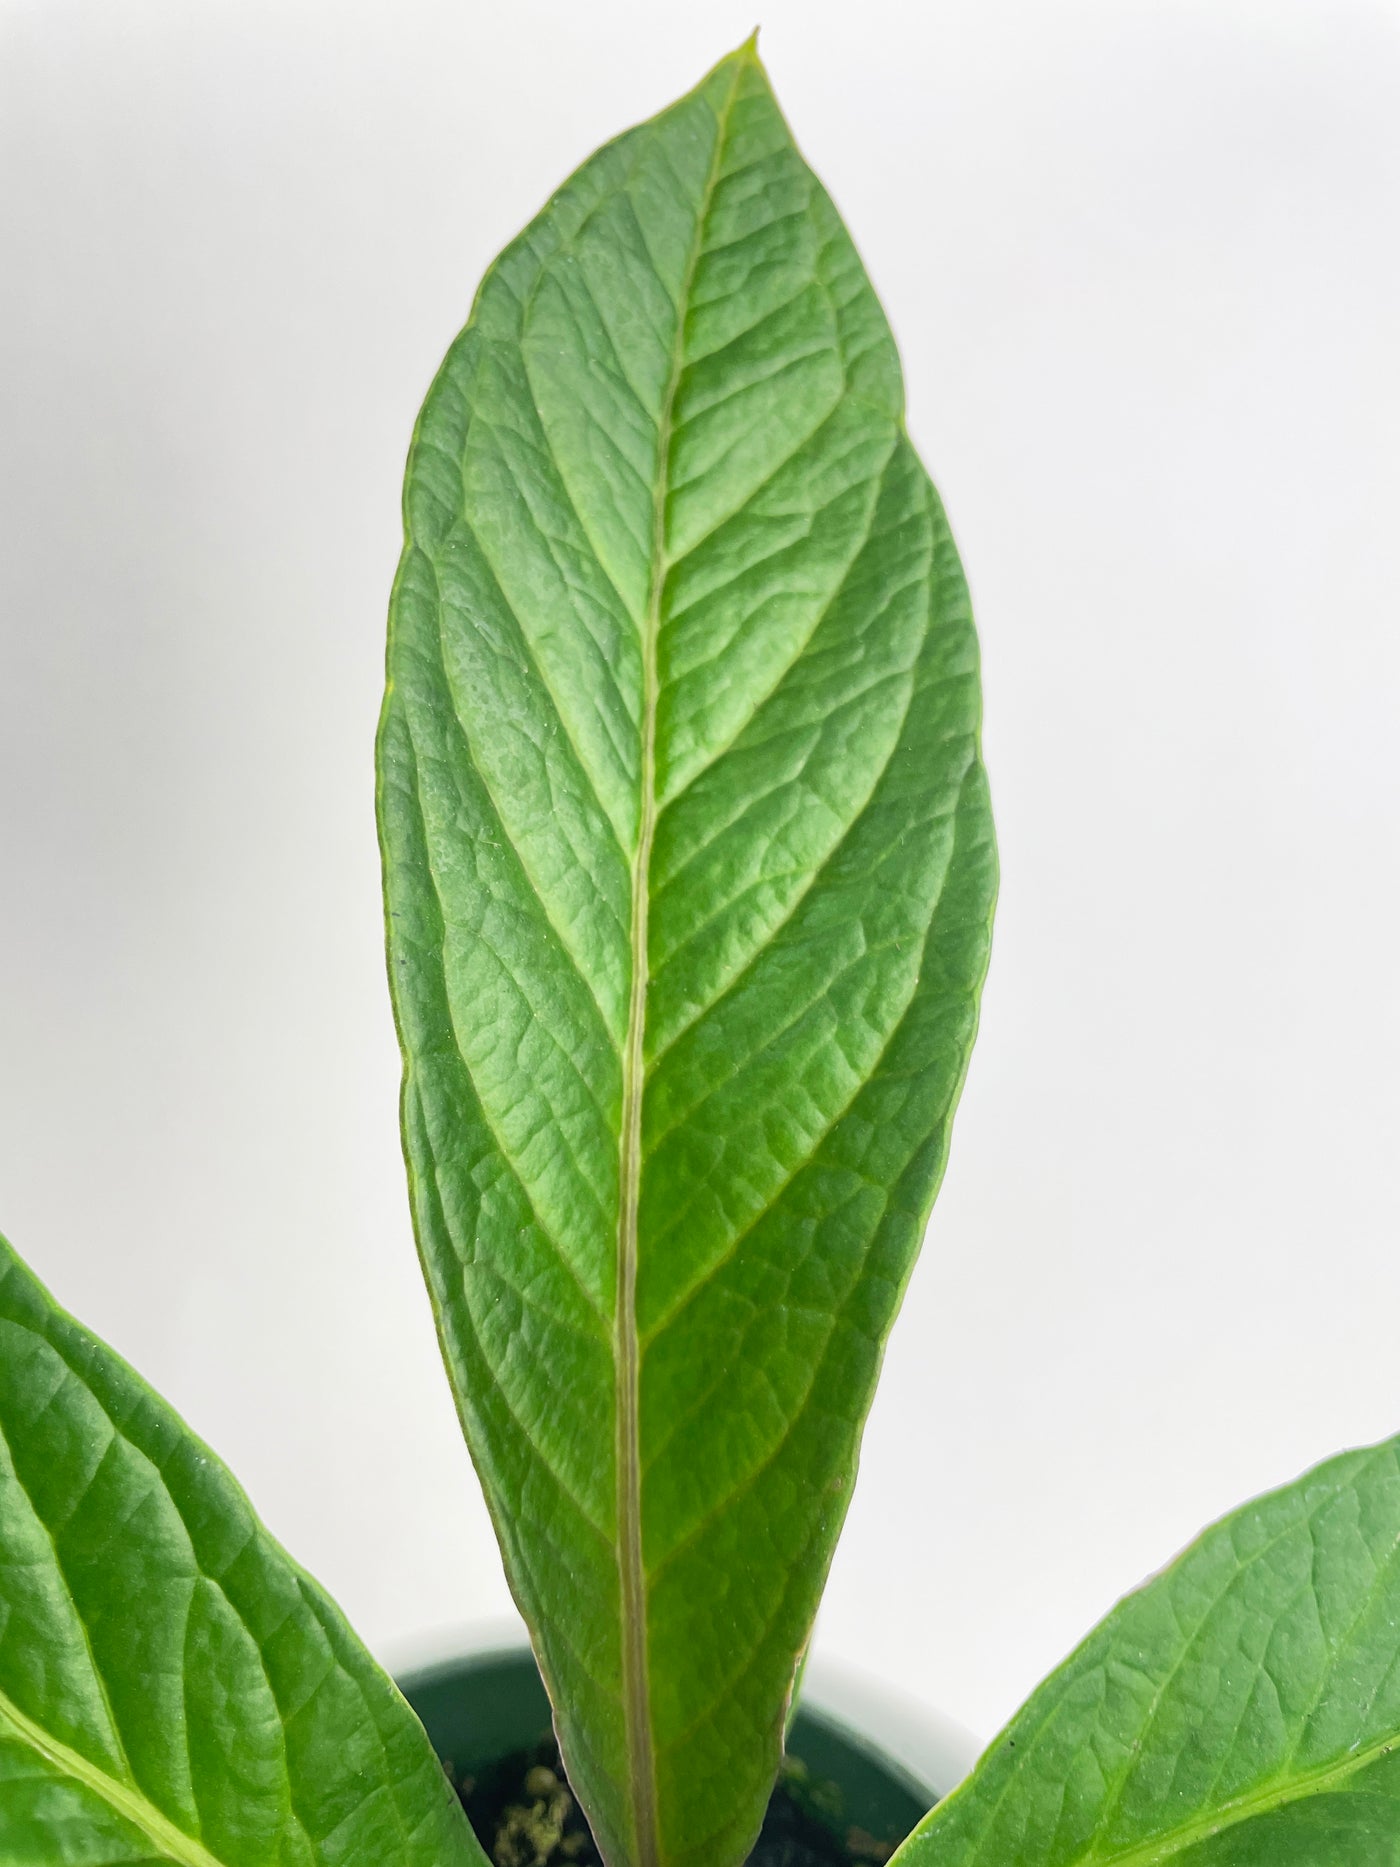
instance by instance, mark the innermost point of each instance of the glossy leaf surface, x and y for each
(172, 1687)
(1241, 1710)
(689, 874)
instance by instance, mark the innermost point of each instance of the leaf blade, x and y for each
(172, 1687)
(1241, 1708)
(740, 677)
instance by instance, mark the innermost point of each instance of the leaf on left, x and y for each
(173, 1688)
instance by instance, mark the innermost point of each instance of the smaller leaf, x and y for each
(1240, 1710)
(173, 1689)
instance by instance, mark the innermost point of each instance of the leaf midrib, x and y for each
(125, 1802)
(1263, 1801)
(631, 1568)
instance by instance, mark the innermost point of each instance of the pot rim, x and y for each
(930, 1750)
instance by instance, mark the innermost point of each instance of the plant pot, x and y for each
(483, 1707)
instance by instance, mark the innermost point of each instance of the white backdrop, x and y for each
(1142, 261)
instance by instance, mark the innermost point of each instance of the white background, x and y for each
(1143, 263)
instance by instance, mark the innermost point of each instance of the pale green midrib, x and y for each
(631, 1570)
(128, 1803)
(1232, 1814)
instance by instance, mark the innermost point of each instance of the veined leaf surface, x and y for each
(689, 876)
(1241, 1710)
(173, 1689)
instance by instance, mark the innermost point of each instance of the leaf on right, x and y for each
(1240, 1710)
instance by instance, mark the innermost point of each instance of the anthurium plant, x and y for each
(689, 874)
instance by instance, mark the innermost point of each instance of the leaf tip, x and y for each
(747, 53)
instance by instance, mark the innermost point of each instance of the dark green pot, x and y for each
(479, 1709)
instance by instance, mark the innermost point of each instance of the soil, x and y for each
(524, 1815)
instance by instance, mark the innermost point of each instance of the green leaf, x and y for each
(172, 1687)
(689, 876)
(1241, 1710)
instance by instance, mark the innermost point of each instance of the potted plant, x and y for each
(689, 881)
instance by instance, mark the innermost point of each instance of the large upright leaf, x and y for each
(1241, 1710)
(689, 873)
(173, 1689)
